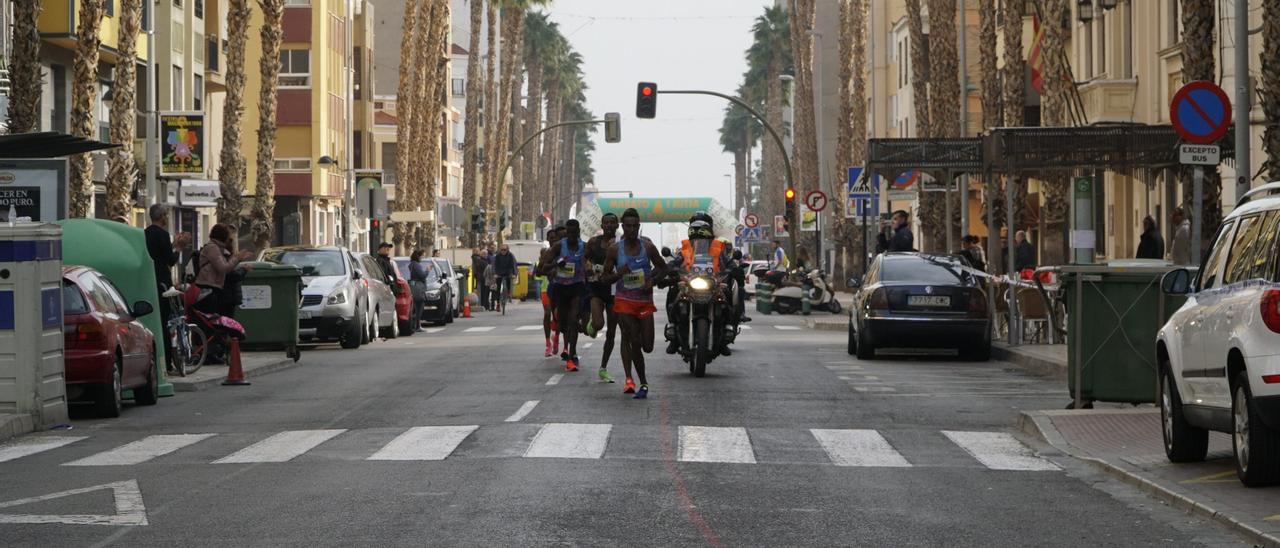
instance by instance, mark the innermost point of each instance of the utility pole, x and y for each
(1244, 167)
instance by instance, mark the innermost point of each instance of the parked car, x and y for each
(752, 277)
(437, 308)
(918, 300)
(381, 299)
(455, 292)
(1219, 354)
(335, 297)
(106, 348)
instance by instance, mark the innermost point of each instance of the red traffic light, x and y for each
(646, 91)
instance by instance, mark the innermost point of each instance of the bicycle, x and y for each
(187, 341)
(504, 293)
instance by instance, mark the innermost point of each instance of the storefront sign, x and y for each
(34, 188)
(182, 134)
(199, 193)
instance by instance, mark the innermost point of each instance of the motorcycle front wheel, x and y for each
(701, 346)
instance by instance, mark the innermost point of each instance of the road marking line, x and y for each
(786, 328)
(875, 389)
(570, 441)
(999, 451)
(424, 443)
(523, 411)
(481, 329)
(38, 444)
(588, 345)
(859, 448)
(127, 499)
(281, 447)
(715, 444)
(141, 451)
(529, 328)
(855, 379)
(555, 379)
(744, 327)
(434, 330)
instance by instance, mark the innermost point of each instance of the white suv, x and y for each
(1219, 354)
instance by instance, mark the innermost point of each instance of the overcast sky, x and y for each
(678, 44)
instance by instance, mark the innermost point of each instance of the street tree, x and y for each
(851, 140)
(471, 125)
(407, 187)
(768, 58)
(433, 59)
(232, 169)
(1271, 86)
(1058, 88)
(122, 169)
(84, 98)
(805, 155)
(944, 117)
(992, 104)
(490, 103)
(1012, 72)
(264, 199)
(539, 36)
(24, 69)
(1198, 50)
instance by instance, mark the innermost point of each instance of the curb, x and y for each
(180, 384)
(12, 426)
(1032, 364)
(1039, 426)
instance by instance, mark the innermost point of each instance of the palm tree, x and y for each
(1271, 86)
(563, 76)
(265, 190)
(735, 139)
(919, 68)
(1057, 92)
(407, 187)
(851, 142)
(84, 98)
(429, 110)
(1012, 99)
(539, 36)
(471, 129)
(944, 116)
(122, 169)
(1198, 64)
(805, 156)
(231, 169)
(24, 71)
(769, 55)
(992, 103)
(490, 104)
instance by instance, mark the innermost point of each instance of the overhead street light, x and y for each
(1084, 11)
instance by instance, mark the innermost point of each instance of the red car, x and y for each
(404, 301)
(106, 349)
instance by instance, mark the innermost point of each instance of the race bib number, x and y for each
(567, 270)
(633, 280)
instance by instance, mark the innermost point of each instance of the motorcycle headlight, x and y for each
(699, 284)
(338, 297)
(433, 294)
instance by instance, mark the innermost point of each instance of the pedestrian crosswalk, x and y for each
(531, 329)
(721, 445)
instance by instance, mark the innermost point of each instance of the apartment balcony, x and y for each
(1109, 100)
(214, 79)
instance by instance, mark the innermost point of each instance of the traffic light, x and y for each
(477, 222)
(790, 194)
(612, 127)
(646, 100)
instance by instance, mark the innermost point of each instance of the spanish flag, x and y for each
(1035, 58)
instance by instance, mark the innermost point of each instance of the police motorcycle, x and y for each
(789, 298)
(700, 309)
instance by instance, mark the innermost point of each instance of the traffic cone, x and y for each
(466, 307)
(235, 373)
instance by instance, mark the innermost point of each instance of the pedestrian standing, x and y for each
(1150, 244)
(1024, 254)
(217, 262)
(1180, 245)
(164, 255)
(479, 263)
(972, 252)
(418, 277)
(896, 236)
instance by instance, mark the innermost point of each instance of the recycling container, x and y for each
(521, 287)
(1114, 313)
(269, 309)
(764, 298)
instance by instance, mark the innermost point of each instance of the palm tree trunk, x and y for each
(429, 112)
(491, 107)
(1271, 86)
(1014, 71)
(919, 68)
(475, 90)
(550, 145)
(944, 116)
(405, 102)
(774, 174)
(518, 135)
(992, 106)
(1198, 64)
(852, 139)
(533, 122)
(84, 99)
(24, 72)
(122, 170)
(420, 121)
(1057, 92)
(512, 21)
(232, 169)
(265, 189)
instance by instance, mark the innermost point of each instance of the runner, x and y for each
(602, 313)
(569, 286)
(633, 264)
(549, 328)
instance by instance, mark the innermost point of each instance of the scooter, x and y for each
(788, 299)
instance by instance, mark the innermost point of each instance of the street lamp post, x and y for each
(348, 197)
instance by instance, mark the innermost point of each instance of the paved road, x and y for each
(467, 436)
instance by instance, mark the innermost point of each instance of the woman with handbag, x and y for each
(418, 276)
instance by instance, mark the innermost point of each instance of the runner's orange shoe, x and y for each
(629, 387)
(571, 364)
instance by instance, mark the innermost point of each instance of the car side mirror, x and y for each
(140, 309)
(855, 282)
(458, 276)
(355, 275)
(1176, 282)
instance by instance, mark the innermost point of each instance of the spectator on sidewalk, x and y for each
(504, 266)
(1150, 244)
(1180, 244)
(164, 255)
(419, 275)
(479, 263)
(383, 258)
(972, 252)
(1024, 254)
(217, 263)
(896, 234)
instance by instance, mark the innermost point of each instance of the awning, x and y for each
(49, 144)
(199, 193)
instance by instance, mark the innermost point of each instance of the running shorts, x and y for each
(639, 309)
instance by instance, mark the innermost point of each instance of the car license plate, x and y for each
(304, 314)
(928, 300)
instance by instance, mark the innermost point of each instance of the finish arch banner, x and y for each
(659, 210)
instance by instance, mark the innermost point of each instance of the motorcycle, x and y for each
(700, 315)
(788, 299)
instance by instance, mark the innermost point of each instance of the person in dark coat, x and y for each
(1024, 254)
(1150, 244)
(901, 238)
(479, 263)
(164, 255)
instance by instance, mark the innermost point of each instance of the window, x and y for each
(212, 63)
(1209, 277)
(99, 294)
(197, 92)
(459, 87)
(295, 68)
(177, 3)
(178, 33)
(197, 51)
(111, 8)
(199, 7)
(178, 103)
(1240, 258)
(293, 164)
(357, 65)
(1264, 256)
(297, 2)
(72, 300)
(1173, 34)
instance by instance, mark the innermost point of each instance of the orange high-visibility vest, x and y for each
(717, 249)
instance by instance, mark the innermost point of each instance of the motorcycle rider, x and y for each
(702, 250)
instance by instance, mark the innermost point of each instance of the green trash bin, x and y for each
(764, 298)
(1113, 315)
(269, 311)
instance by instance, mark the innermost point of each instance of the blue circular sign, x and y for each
(1200, 112)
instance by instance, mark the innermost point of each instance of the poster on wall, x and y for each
(182, 136)
(33, 188)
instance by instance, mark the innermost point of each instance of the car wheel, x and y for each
(371, 327)
(355, 332)
(406, 327)
(866, 349)
(107, 401)
(835, 307)
(980, 352)
(391, 332)
(1182, 442)
(148, 394)
(1256, 447)
(852, 344)
(448, 317)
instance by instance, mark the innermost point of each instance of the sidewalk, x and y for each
(1045, 360)
(255, 364)
(1127, 443)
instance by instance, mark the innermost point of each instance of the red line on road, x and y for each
(677, 481)
(1191, 101)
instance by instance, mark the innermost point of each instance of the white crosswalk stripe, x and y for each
(479, 329)
(140, 451)
(570, 441)
(786, 328)
(999, 451)
(715, 444)
(859, 448)
(32, 445)
(522, 412)
(424, 443)
(281, 447)
(529, 328)
(434, 330)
